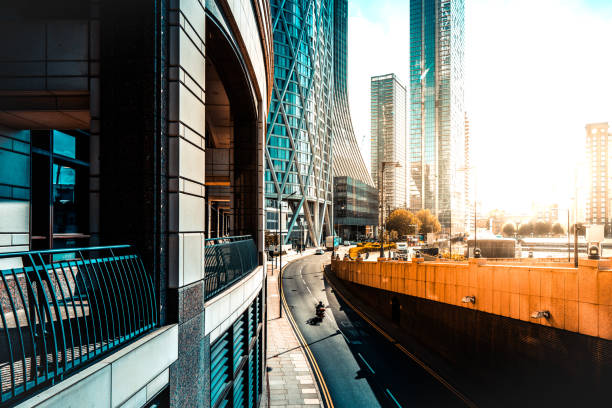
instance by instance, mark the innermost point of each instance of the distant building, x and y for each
(437, 118)
(469, 221)
(598, 163)
(546, 213)
(355, 207)
(388, 130)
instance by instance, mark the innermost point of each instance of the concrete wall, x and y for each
(579, 300)
(127, 378)
(222, 310)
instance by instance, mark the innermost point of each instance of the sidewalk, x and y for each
(291, 382)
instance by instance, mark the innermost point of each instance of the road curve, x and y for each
(360, 367)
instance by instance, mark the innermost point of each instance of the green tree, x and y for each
(542, 228)
(509, 229)
(526, 229)
(270, 239)
(402, 221)
(427, 222)
(557, 229)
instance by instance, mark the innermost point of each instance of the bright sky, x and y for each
(536, 72)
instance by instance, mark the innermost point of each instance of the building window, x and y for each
(60, 187)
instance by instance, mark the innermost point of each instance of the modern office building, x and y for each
(355, 208)
(299, 135)
(388, 141)
(355, 197)
(132, 137)
(598, 203)
(437, 120)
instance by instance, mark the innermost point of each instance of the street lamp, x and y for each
(280, 245)
(381, 205)
(280, 232)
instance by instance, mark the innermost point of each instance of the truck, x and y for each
(332, 242)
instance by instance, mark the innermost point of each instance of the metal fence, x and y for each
(227, 260)
(63, 308)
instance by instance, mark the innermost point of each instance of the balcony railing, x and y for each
(63, 308)
(227, 260)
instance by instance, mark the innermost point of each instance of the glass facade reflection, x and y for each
(355, 207)
(388, 130)
(299, 135)
(437, 125)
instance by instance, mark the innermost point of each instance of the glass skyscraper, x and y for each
(388, 132)
(437, 121)
(355, 200)
(299, 134)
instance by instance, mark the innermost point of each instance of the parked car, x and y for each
(319, 251)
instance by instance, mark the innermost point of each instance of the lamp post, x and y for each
(280, 245)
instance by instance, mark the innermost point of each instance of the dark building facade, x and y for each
(354, 208)
(355, 197)
(139, 123)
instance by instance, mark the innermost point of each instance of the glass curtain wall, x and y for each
(299, 138)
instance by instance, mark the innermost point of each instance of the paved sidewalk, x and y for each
(290, 377)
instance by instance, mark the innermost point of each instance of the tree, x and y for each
(402, 221)
(542, 228)
(270, 239)
(509, 229)
(526, 229)
(557, 229)
(428, 222)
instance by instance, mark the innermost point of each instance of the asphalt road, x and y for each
(360, 367)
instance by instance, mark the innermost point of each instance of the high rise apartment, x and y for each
(299, 136)
(437, 121)
(388, 133)
(355, 200)
(598, 209)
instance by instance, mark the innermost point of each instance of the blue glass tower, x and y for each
(299, 135)
(437, 125)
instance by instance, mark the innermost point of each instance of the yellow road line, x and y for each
(311, 358)
(400, 347)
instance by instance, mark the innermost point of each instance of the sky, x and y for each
(537, 71)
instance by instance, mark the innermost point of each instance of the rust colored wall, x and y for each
(579, 300)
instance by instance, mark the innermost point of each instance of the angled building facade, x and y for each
(437, 120)
(355, 201)
(299, 134)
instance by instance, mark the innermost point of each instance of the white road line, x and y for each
(308, 290)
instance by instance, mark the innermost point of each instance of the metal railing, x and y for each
(227, 260)
(63, 308)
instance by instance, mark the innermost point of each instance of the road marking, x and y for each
(414, 358)
(366, 363)
(303, 281)
(313, 362)
(308, 290)
(393, 398)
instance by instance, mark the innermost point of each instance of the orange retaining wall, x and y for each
(579, 300)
